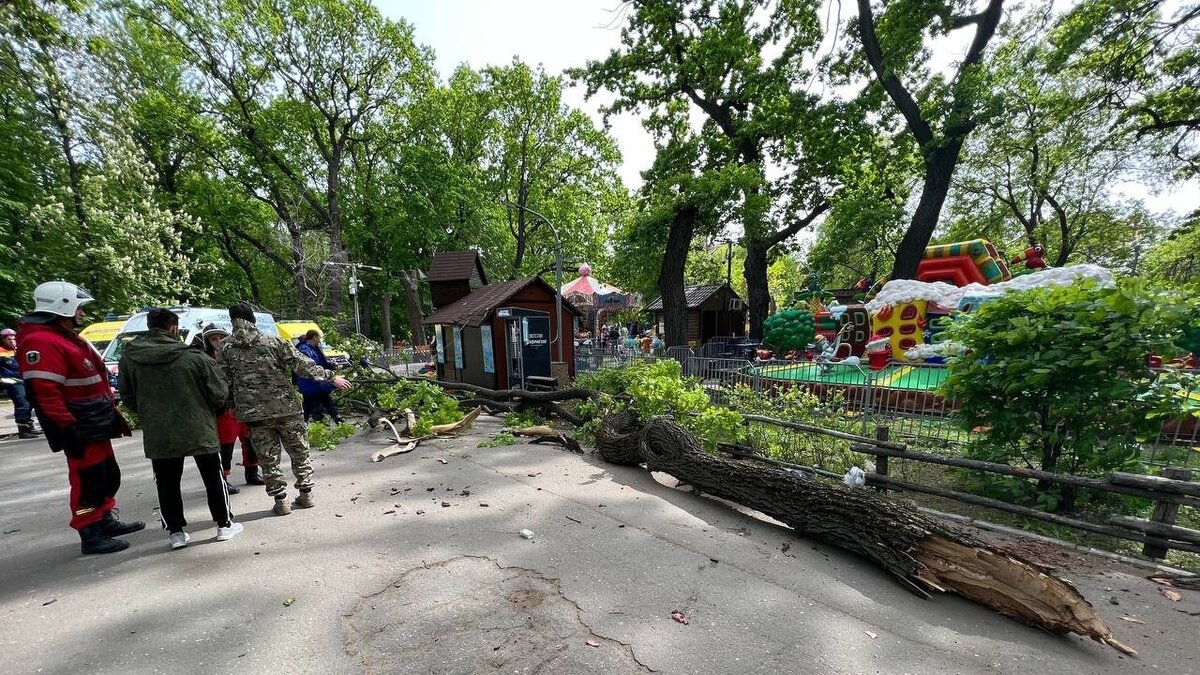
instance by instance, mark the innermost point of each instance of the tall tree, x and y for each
(740, 66)
(297, 81)
(1044, 167)
(1146, 55)
(939, 112)
(550, 158)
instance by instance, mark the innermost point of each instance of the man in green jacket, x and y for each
(175, 391)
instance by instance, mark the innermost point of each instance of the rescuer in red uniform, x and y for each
(67, 383)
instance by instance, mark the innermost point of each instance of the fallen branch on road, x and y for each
(403, 445)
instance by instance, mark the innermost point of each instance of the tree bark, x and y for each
(412, 302)
(367, 309)
(922, 554)
(671, 275)
(337, 249)
(385, 318)
(758, 292)
(939, 169)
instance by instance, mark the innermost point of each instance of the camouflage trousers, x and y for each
(291, 434)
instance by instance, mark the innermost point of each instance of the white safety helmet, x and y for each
(59, 297)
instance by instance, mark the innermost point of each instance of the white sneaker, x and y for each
(179, 539)
(227, 533)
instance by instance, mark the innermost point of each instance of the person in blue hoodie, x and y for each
(317, 393)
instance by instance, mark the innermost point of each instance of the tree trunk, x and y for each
(671, 275)
(939, 169)
(385, 319)
(922, 554)
(758, 292)
(308, 297)
(337, 249)
(412, 302)
(367, 309)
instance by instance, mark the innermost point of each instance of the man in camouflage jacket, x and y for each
(258, 369)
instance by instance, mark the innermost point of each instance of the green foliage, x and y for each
(356, 346)
(324, 437)
(130, 417)
(522, 419)
(794, 404)
(1040, 171)
(428, 402)
(791, 329)
(1058, 377)
(1148, 61)
(500, 440)
(658, 388)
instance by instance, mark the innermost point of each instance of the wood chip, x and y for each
(1130, 619)
(1173, 596)
(593, 643)
(873, 636)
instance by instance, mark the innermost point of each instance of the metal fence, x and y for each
(904, 399)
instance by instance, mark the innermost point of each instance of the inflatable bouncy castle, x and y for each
(968, 262)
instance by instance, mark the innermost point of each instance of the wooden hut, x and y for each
(502, 335)
(713, 310)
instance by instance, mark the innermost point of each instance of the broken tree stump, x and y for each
(922, 554)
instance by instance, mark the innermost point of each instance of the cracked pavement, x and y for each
(413, 565)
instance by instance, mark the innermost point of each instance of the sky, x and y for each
(560, 34)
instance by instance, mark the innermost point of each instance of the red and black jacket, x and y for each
(67, 383)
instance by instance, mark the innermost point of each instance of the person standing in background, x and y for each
(229, 428)
(317, 393)
(14, 386)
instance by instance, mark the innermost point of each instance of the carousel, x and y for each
(596, 300)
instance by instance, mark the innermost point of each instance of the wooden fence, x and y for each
(1158, 535)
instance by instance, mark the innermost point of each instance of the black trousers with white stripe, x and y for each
(167, 474)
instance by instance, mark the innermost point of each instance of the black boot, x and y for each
(94, 540)
(27, 431)
(115, 528)
(231, 488)
(254, 476)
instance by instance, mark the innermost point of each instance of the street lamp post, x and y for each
(355, 285)
(557, 271)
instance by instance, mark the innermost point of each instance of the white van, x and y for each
(192, 321)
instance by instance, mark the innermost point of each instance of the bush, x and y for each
(659, 388)
(795, 404)
(1058, 378)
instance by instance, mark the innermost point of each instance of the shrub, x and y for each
(659, 388)
(1058, 377)
(794, 404)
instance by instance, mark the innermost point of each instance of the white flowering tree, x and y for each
(128, 250)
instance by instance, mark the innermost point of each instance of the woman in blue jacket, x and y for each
(316, 394)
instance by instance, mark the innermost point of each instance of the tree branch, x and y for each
(891, 84)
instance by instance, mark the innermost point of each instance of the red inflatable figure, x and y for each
(1033, 257)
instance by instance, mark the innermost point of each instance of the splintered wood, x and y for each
(403, 445)
(1012, 587)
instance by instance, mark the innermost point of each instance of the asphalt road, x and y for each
(415, 565)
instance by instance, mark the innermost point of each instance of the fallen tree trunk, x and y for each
(922, 554)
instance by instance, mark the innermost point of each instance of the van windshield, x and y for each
(117, 347)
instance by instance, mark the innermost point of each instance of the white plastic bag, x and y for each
(855, 477)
